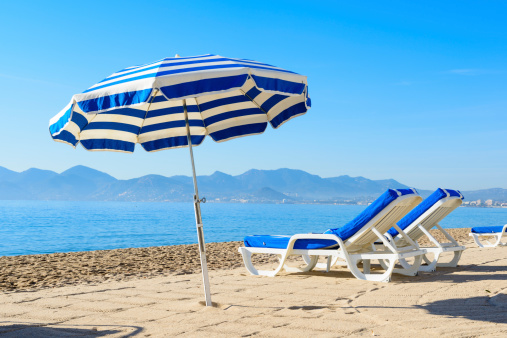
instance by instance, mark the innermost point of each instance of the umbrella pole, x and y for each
(198, 219)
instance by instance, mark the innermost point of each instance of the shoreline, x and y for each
(32, 272)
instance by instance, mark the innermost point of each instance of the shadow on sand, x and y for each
(481, 308)
(451, 275)
(52, 330)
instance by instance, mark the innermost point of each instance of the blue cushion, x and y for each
(349, 229)
(345, 232)
(281, 242)
(487, 230)
(423, 207)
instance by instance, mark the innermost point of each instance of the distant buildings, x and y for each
(486, 204)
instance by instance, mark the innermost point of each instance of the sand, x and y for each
(59, 269)
(128, 292)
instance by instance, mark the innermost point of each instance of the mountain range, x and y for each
(261, 186)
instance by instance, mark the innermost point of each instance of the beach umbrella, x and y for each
(176, 102)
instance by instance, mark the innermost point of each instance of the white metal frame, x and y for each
(352, 251)
(485, 236)
(421, 226)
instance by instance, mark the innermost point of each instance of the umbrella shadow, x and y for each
(480, 308)
(477, 273)
(456, 275)
(43, 330)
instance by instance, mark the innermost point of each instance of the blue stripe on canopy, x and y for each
(231, 114)
(106, 144)
(223, 101)
(62, 121)
(65, 136)
(204, 86)
(79, 120)
(171, 142)
(272, 101)
(252, 93)
(113, 126)
(278, 85)
(170, 125)
(249, 129)
(115, 100)
(288, 113)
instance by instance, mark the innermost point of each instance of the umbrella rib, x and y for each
(146, 114)
(253, 101)
(200, 113)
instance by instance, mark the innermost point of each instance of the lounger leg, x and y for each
(385, 277)
(489, 244)
(431, 264)
(311, 260)
(499, 240)
(330, 261)
(366, 266)
(309, 265)
(247, 259)
(454, 262)
(407, 269)
(426, 259)
(410, 269)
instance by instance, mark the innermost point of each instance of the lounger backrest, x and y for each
(430, 212)
(381, 214)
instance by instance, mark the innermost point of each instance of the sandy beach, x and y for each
(156, 292)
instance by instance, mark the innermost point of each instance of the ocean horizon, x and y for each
(42, 227)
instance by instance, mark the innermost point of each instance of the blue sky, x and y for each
(415, 91)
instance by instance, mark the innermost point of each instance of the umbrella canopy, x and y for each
(176, 102)
(226, 98)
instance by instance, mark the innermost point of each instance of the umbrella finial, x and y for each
(177, 56)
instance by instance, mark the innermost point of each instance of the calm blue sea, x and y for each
(34, 227)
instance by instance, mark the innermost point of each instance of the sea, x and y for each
(41, 227)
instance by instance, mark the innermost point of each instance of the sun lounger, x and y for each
(351, 243)
(424, 217)
(486, 233)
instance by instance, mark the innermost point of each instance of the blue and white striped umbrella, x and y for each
(176, 102)
(226, 98)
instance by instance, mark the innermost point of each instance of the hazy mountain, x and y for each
(496, 194)
(360, 186)
(7, 175)
(83, 183)
(291, 182)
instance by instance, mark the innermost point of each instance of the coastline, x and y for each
(31, 272)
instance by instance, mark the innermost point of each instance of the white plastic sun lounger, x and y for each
(424, 217)
(351, 243)
(497, 232)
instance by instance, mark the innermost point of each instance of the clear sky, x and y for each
(410, 90)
